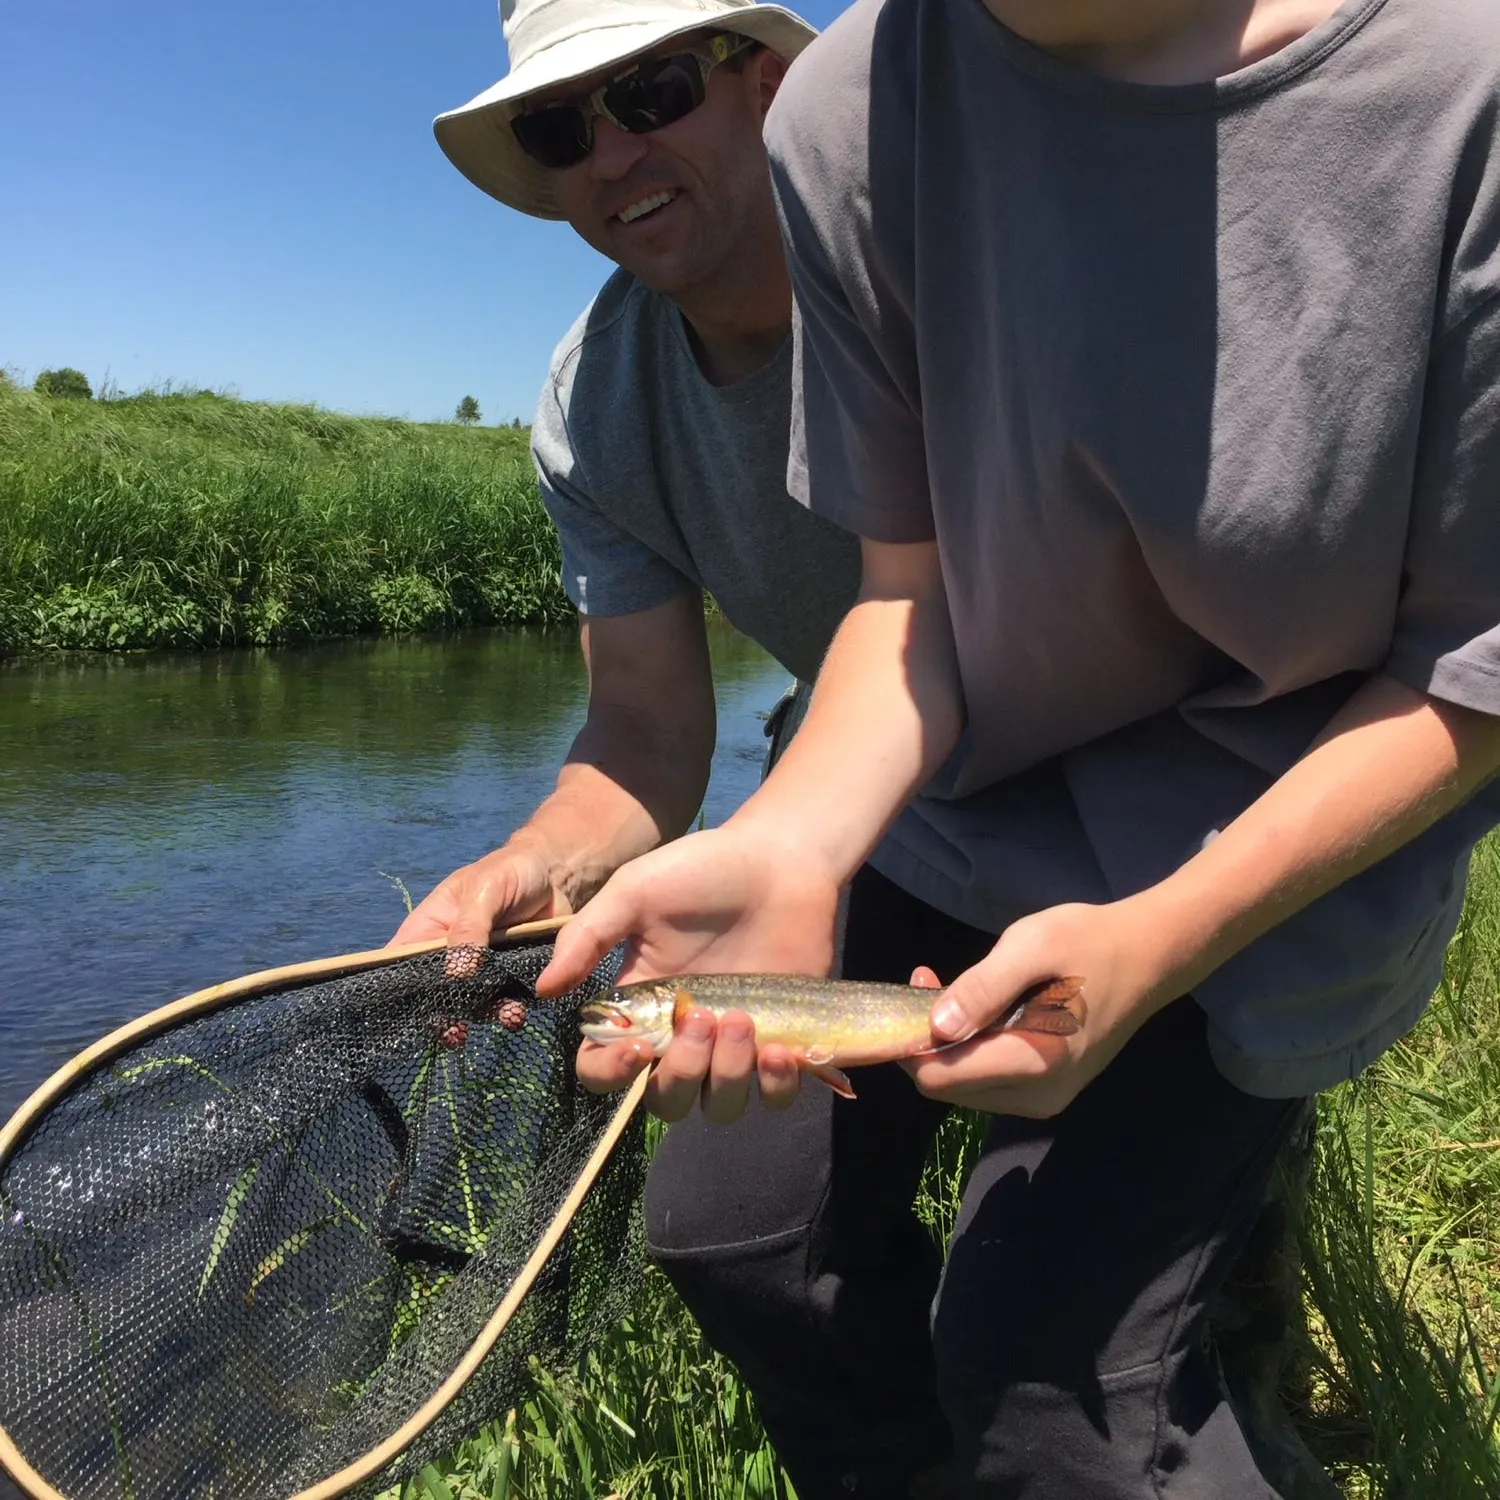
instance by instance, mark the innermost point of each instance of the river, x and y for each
(168, 821)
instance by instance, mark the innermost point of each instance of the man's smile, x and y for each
(643, 206)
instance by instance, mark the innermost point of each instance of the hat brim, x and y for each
(477, 137)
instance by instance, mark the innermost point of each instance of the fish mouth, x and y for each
(607, 1021)
(604, 1020)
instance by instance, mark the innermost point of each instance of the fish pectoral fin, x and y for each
(819, 1062)
(825, 1072)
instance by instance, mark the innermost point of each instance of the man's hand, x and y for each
(510, 885)
(1126, 978)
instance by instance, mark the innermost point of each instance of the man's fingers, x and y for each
(727, 1090)
(428, 919)
(419, 927)
(925, 978)
(478, 919)
(684, 1065)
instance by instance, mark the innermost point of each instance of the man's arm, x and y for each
(634, 777)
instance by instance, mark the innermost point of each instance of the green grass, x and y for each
(1403, 1245)
(1397, 1392)
(197, 520)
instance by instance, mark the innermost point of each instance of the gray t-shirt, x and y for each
(1198, 390)
(660, 482)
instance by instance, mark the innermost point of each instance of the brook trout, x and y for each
(827, 1024)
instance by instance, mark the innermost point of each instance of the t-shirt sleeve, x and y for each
(605, 569)
(857, 453)
(1447, 635)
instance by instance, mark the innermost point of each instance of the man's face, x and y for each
(672, 206)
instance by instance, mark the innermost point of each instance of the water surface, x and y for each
(169, 821)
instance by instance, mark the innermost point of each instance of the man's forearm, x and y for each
(626, 787)
(1389, 766)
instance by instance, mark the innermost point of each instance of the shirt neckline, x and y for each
(773, 374)
(1258, 78)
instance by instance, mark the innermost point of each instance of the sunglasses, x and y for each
(655, 92)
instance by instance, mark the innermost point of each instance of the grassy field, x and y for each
(196, 520)
(1397, 1392)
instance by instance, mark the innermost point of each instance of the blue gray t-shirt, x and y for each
(661, 483)
(1198, 391)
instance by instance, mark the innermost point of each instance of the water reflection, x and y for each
(170, 821)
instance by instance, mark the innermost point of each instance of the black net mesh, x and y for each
(238, 1257)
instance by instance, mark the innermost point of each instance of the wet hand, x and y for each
(507, 886)
(708, 1062)
(1124, 975)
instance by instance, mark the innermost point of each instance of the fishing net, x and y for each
(241, 1254)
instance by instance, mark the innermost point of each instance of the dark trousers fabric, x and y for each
(1058, 1355)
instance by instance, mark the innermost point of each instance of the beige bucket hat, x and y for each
(554, 41)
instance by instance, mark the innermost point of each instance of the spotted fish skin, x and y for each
(827, 1024)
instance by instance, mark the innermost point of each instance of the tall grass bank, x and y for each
(197, 520)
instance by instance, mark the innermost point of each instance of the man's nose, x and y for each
(615, 151)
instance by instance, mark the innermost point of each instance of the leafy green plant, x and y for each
(67, 382)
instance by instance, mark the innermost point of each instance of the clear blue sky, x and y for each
(250, 198)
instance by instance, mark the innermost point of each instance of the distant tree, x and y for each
(64, 382)
(515, 421)
(467, 411)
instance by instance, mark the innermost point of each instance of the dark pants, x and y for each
(1061, 1356)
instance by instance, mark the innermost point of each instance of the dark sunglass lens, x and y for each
(556, 137)
(655, 94)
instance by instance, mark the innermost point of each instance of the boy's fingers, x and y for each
(731, 1068)
(605, 1067)
(683, 1067)
(579, 949)
(780, 1077)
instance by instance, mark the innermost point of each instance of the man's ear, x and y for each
(770, 68)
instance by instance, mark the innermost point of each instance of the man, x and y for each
(1175, 671)
(661, 436)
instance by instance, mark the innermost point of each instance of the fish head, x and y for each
(634, 1012)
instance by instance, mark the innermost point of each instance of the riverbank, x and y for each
(1397, 1393)
(199, 520)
